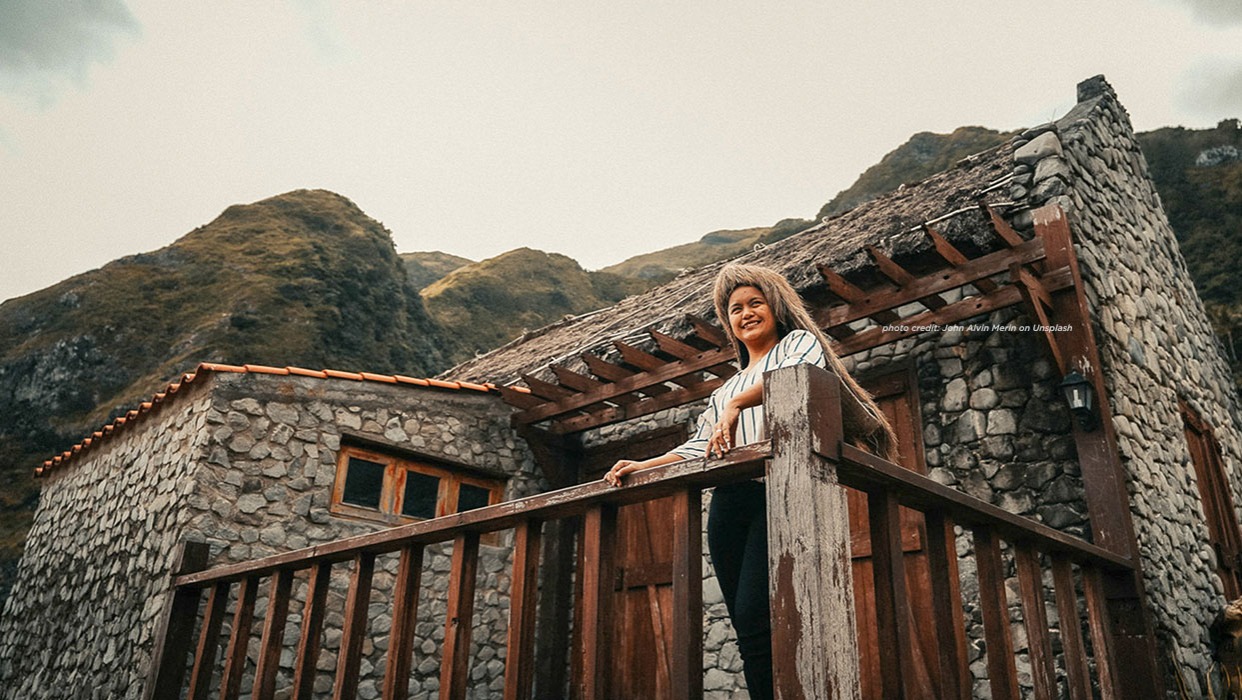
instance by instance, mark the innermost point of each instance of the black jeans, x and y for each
(737, 537)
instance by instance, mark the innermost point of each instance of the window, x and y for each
(1216, 495)
(384, 487)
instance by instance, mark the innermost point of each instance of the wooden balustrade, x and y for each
(814, 632)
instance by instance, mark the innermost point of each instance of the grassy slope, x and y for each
(301, 279)
(423, 268)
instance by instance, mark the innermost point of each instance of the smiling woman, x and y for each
(770, 328)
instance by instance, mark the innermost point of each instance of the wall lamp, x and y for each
(1080, 397)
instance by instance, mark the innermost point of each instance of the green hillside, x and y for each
(427, 267)
(305, 278)
(489, 303)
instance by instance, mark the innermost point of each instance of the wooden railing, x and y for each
(815, 649)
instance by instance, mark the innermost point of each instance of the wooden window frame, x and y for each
(1216, 497)
(392, 491)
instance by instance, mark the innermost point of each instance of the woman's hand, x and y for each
(721, 440)
(625, 466)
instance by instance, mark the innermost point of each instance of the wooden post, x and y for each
(1077, 674)
(455, 662)
(176, 630)
(687, 657)
(312, 626)
(208, 642)
(599, 535)
(1002, 675)
(1035, 617)
(404, 617)
(239, 640)
(354, 630)
(891, 604)
(519, 658)
(814, 636)
(947, 606)
(273, 634)
(1103, 476)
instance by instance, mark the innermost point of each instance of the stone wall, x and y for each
(94, 576)
(1156, 345)
(271, 461)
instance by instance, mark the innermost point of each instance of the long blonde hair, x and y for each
(864, 422)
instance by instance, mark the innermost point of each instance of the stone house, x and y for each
(969, 303)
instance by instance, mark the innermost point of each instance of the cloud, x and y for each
(1213, 89)
(44, 44)
(1222, 12)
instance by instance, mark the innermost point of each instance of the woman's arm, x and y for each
(723, 432)
(625, 466)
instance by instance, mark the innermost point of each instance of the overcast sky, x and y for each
(595, 129)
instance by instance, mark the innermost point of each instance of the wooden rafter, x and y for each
(902, 277)
(683, 351)
(1002, 228)
(1039, 300)
(614, 373)
(955, 257)
(851, 294)
(676, 397)
(708, 332)
(583, 383)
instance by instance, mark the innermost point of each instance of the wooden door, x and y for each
(897, 396)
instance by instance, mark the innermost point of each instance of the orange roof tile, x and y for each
(157, 400)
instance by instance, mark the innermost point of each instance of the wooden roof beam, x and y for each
(851, 294)
(583, 383)
(1002, 228)
(647, 362)
(708, 332)
(1036, 296)
(547, 390)
(682, 351)
(901, 277)
(955, 257)
(1008, 295)
(615, 373)
(969, 272)
(677, 397)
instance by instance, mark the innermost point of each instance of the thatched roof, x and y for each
(890, 223)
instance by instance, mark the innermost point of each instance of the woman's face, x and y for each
(751, 320)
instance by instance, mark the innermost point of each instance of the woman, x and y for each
(769, 328)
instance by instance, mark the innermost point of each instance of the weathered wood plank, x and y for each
(1002, 673)
(455, 658)
(955, 257)
(1101, 635)
(208, 642)
(239, 639)
(598, 561)
(273, 634)
(866, 472)
(1077, 674)
(175, 633)
(404, 617)
(682, 395)
(354, 630)
(814, 635)
(686, 675)
(1035, 618)
(891, 605)
(312, 626)
(946, 601)
(519, 657)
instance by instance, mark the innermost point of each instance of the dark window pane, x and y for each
(364, 483)
(471, 497)
(421, 491)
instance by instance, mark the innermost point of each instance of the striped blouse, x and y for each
(797, 347)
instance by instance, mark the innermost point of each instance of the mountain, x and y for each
(305, 278)
(489, 303)
(663, 265)
(427, 267)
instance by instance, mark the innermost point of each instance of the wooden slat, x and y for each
(1035, 618)
(683, 351)
(1101, 636)
(686, 677)
(312, 626)
(583, 383)
(455, 656)
(599, 559)
(354, 629)
(404, 617)
(239, 639)
(1040, 303)
(974, 272)
(1077, 674)
(957, 311)
(608, 416)
(708, 332)
(523, 593)
(548, 390)
(864, 471)
(649, 363)
(897, 274)
(174, 634)
(1002, 228)
(852, 295)
(814, 635)
(208, 642)
(891, 605)
(947, 607)
(614, 373)
(955, 257)
(1002, 674)
(273, 634)
(520, 399)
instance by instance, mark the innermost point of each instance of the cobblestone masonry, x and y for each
(247, 467)
(1156, 345)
